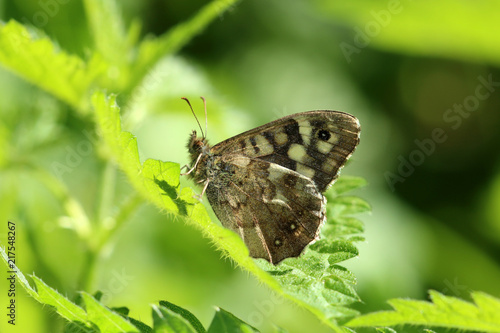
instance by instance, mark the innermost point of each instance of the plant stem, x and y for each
(88, 270)
(93, 243)
(106, 191)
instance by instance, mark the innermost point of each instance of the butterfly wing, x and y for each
(315, 144)
(276, 211)
(265, 184)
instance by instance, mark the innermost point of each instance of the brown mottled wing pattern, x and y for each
(268, 181)
(276, 211)
(315, 143)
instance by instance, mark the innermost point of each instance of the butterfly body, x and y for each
(266, 184)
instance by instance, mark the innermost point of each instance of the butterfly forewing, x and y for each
(316, 144)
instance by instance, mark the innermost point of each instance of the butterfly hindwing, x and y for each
(315, 143)
(276, 216)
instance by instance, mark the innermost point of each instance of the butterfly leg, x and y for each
(194, 166)
(200, 196)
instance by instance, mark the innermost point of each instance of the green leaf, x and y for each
(71, 79)
(345, 184)
(96, 317)
(168, 321)
(143, 328)
(185, 314)
(157, 181)
(338, 226)
(422, 27)
(225, 322)
(339, 248)
(104, 318)
(443, 311)
(322, 287)
(46, 295)
(40, 62)
(11, 267)
(62, 305)
(348, 205)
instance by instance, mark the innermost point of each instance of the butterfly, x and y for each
(266, 184)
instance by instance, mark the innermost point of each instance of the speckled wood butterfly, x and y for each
(266, 184)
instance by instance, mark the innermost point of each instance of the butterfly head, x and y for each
(197, 148)
(197, 145)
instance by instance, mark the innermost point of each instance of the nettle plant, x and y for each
(121, 63)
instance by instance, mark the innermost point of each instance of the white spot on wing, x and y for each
(281, 138)
(304, 170)
(323, 147)
(329, 165)
(297, 152)
(264, 145)
(305, 131)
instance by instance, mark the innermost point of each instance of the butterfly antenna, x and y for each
(201, 129)
(206, 117)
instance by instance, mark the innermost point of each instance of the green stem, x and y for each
(93, 242)
(88, 270)
(127, 208)
(107, 192)
(104, 233)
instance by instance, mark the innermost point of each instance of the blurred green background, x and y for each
(406, 69)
